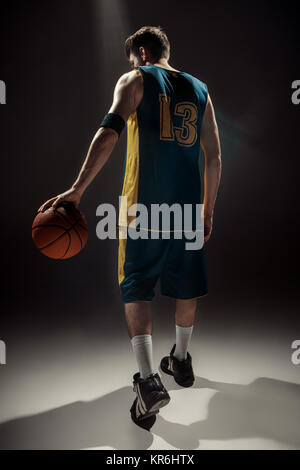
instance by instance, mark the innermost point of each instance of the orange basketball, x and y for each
(60, 233)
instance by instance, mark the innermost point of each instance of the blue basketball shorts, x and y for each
(144, 262)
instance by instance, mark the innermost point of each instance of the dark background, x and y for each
(60, 61)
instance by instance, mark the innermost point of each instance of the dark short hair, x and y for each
(152, 38)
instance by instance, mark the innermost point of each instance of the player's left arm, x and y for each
(127, 96)
(210, 143)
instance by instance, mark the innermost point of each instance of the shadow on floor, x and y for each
(265, 408)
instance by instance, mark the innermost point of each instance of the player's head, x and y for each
(148, 44)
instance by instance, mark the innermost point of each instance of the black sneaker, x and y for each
(151, 396)
(182, 371)
(146, 421)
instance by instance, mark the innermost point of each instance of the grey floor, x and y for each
(71, 391)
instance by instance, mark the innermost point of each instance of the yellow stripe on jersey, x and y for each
(130, 185)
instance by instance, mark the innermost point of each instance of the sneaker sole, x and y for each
(182, 384)
(145, 416)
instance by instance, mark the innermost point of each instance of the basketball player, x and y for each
(169, 114)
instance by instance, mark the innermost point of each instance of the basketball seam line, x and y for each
(82, 226)
(66, 231)
(68, 246)
(72, 225)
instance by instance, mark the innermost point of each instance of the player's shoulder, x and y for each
(131, 78)
(199, 86)
(196, 80)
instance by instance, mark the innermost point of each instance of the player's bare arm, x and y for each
(210, 144)
(127, 96)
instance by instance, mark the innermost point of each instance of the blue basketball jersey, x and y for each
(163, 141)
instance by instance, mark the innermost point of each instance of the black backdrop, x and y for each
(60, 80)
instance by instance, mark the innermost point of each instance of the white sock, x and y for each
(142, 348)
(183, 336)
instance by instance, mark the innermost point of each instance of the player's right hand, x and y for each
(71, 195)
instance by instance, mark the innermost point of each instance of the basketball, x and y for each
(60, 232)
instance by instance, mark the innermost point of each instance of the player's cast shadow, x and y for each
(265, 408)
(102, 422)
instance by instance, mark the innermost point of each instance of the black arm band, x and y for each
(113, 121)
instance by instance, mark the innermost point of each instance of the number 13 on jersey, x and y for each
(186, 134)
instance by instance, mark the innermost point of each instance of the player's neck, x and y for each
(162, 63)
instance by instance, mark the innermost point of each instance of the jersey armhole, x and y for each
(206, 94)
(142, 74)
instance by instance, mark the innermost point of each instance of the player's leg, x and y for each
(151, 394)
(179, 362)
(184, 322)
(184, 278)
(139, 324)
(185, 312)
(139, 268)
(138, 316)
